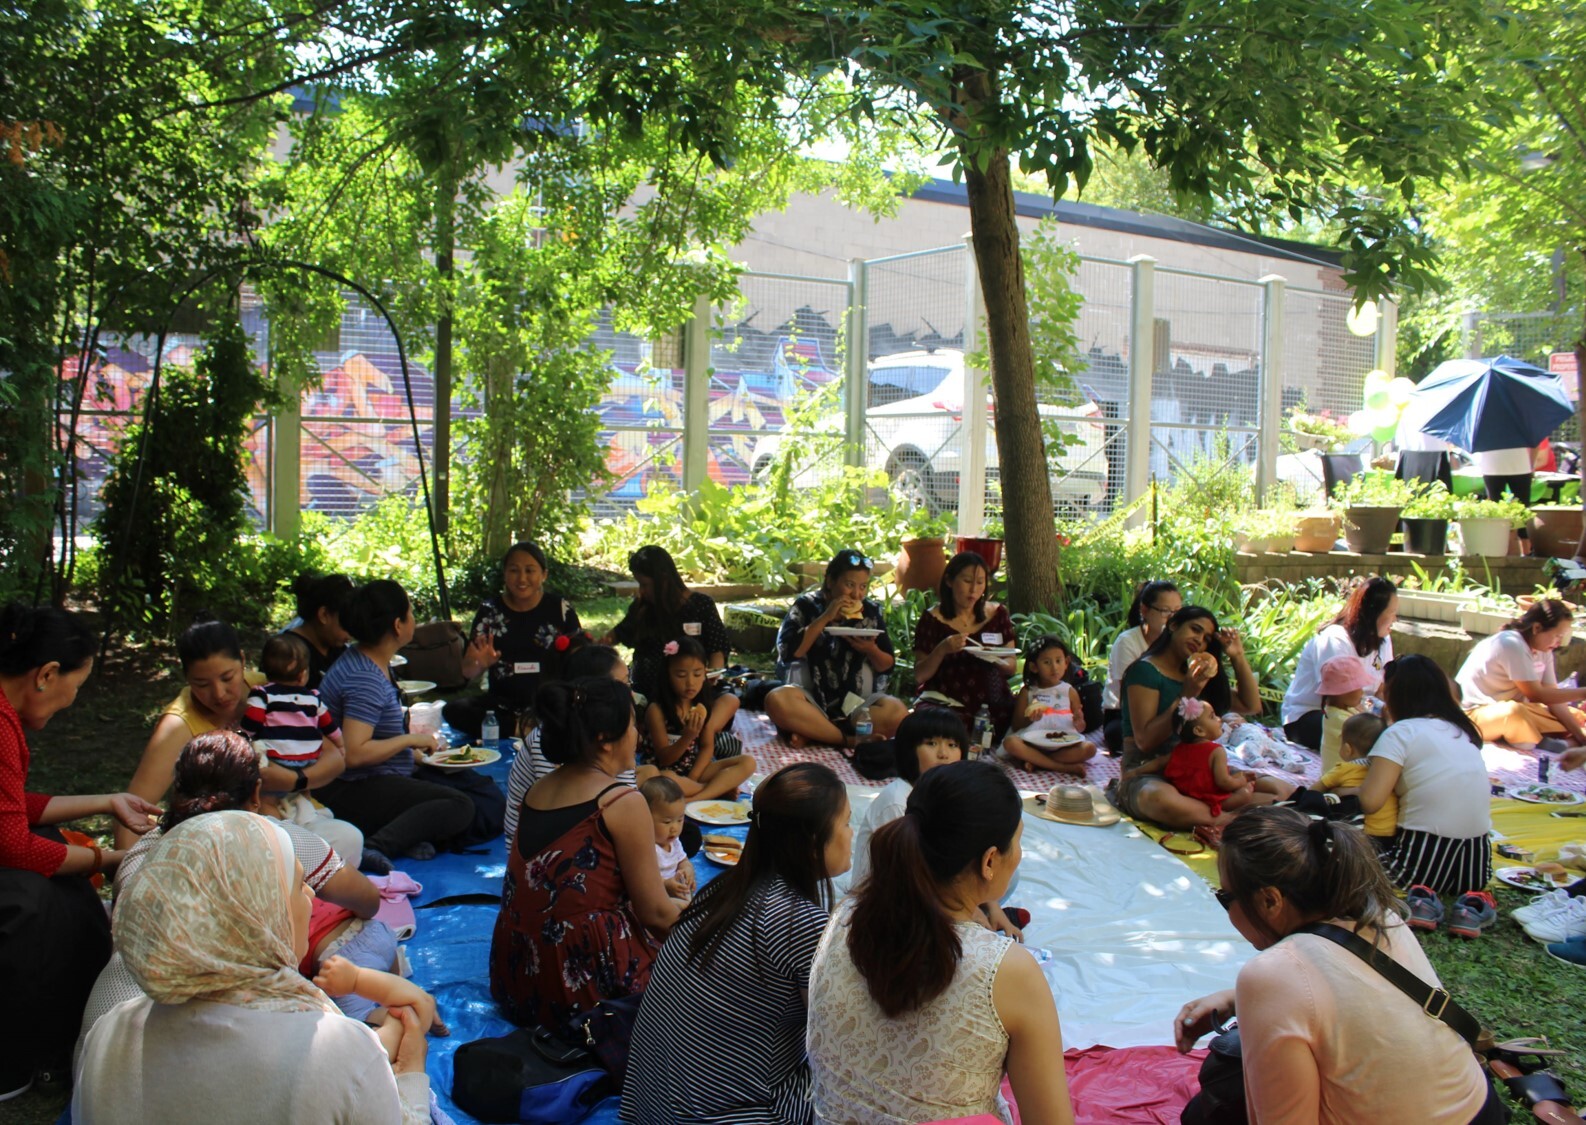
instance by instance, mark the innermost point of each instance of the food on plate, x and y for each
(1548, 793)
(729, 842)
(852, 611)
(719, 810)
(1202, 664)
(1553, 871)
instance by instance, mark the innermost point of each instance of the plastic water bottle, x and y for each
(490, 729)
(980, 736)
(1543, 764)
(864, 727)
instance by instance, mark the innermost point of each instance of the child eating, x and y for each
(1198, 767)
(1047, 714)
(665, 798)
(686, 725)
(1344, 682)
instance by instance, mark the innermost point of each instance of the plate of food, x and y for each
(1542, 877)
(725, 850)
(461, 757)
(1059, 738)
(718, 812)
(1545, 795)
(852, 631)
(415, 687)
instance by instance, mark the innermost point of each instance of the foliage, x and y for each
(1266, 523)
(1430, 502)
(174, 497)
(1332, 432)
(1373, 490)
(902, 615)
(1480, 508)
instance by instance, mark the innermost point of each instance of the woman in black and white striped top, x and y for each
(720, 1036)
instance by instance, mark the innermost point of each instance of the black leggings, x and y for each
(1306, 730)
(396, 813)
(54, 939)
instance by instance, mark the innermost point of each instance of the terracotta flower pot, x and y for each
(1317, 532)
(1555, 529)
(988, 549)
(921, 563)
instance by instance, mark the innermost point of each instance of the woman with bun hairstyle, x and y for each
(736, 969)
(1362, 630)
(1154, 602)
(839, 673)
(400, 814)
(1326, 1038)
(583, 888)
(963, 619)
(1509, 683)
(1184, 662)
(54, 936)
(915, 1011)
(319, 599)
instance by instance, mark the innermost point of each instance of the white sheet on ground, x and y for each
(1132, 932)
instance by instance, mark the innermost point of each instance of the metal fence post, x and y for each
(696, 396)
(856, 388)
(286, 469)
(972, 461)
(1473, 335)
(1142, 350)
(1387, 343)
(1270, 415)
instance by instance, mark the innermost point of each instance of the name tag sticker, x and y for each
(991, 638)
(692, 628)
(526, 668)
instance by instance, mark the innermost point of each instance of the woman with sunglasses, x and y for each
(835, 673)
(1325, 1037)
(1154, 602)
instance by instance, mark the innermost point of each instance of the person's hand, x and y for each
(676, 888)
(1233, 643)
(1198, 1017)
(953, 642)
(337, 976)
(413, 1049)
(1572, 759)
(426, 743)
(695, 722)
(133, 812)
(838, 609)
(1004, 925)
(483, 650)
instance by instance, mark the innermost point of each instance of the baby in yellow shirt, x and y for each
(1360, 733)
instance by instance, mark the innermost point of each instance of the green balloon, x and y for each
(1383, 434)
(1379, 400)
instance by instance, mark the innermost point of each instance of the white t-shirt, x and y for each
(670, 858)
(1443, 788)
(1504, 463)
(1500, 662)
(887, 806)
(1129, 646)
(1304, 693)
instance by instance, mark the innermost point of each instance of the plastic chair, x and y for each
(1338, 468)
(1425, 466)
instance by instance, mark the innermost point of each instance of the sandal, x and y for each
(1196, 847)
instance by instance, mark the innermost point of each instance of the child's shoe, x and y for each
(1473, 912)
(1426, 909)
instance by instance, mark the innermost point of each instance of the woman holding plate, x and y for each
(964, 646)
(841, 639)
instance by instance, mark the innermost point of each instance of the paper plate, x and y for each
(1060, 739)
(399, 661)
(718, 812)
(992, 655)
(851, 631)
(1545, 795)
(415, 687)
(482, 756)
(1527, 879)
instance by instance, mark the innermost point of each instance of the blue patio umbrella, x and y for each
(1483, 404)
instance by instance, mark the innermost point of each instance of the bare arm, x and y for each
(1199, 1017)
(1076, 708)
(156, 768)
(1381, 776)
(1535, 691)
(926, 664)
(329, 766)
(339, 977)
(352, 889)
(364, 749)
(1021, 718)
(1035, 1040)
(633, 835)
(1151, 729)
(1225, 778)
(668, 749)
(1570, 718)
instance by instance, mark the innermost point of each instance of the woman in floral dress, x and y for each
(963, 619)
(583, 892)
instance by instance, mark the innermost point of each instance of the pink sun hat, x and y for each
(1344, 674)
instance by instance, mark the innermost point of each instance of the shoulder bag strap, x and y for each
(1433, 1001)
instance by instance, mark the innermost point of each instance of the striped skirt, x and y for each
(1448, 866)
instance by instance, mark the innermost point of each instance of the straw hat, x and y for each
(1074, 804)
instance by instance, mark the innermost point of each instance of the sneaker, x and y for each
(1473, 912)
(15, 1081)
(1541, 906)
(1569, 952)
(1426, 909)
(1561, 925)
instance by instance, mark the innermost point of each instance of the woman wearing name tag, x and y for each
(664, 611)
(961, 621)
(513, 639)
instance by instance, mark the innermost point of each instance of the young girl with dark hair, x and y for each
(1362, 630)
(736, 968)
(1185, 661)
(319, 601)
(1154, 602)
(947, 635)
(664, 611)
(514, 638)
(915, 1011)
(687, 726)
(1430, 758)
(399, 814)
(1509, 683)
(583, 888)
(1313, 1017)
(1047, 716)
(54, 937)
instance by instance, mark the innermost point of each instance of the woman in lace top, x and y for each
(915, 1012)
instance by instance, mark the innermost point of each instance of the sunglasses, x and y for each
(854, 558)
(1224, 898)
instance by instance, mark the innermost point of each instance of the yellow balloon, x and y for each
(1377, 380)
(1362, 321)
(1399, 391)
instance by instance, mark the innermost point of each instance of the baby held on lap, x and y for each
(667, 804)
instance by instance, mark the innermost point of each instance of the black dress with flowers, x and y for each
(566, 937)
(525, 643)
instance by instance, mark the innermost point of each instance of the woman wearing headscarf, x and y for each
(213, 928)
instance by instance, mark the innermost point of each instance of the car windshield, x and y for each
(892, 384)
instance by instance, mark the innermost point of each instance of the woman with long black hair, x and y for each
(1154, 602)
(1363, 630)
(666, 610)
(735, 969)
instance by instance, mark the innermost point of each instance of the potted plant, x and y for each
(1317, 530)
(1555, 529)
(1485, 525)
(1372, 503)
(988, 544)
(1265, 530)
(922, 556)
(1487, 615)
(1426, 519)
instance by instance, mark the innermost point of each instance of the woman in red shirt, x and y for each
(54, 933)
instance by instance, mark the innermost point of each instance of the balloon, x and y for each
(1360, 423)
(1382, 435)
(1399, 391)
(1378, 401)
(1362, 321)
(1379, 417)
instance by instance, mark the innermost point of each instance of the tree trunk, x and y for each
(1029, 528)
(441, 443)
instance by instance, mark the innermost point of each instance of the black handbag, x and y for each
(528, 1076)
(1221, 1100)
(608, 1033)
